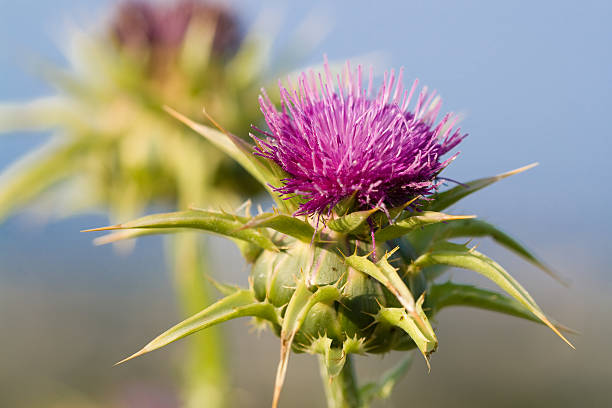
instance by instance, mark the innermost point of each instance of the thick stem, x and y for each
(206, 379)
(342, 390)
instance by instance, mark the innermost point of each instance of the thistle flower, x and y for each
(318, 289)
(338, 143)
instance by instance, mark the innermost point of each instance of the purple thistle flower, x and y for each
(338, 142)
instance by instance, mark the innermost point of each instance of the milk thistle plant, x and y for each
(114, 149)
(347, 261)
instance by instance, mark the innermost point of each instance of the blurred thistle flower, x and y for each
(338, 143)
(140, 26)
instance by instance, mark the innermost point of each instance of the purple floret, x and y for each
(338, 142)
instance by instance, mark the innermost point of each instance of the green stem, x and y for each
(342, 390)
(206, 378)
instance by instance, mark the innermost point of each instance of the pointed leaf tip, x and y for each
(107, 228)
(445, 199)
(133, 356)
(517, 171)
(447, 253)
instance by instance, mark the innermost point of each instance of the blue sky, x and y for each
(532, 79)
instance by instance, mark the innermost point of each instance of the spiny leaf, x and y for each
(413, 222)
(268, 173)
(445, 199)
(382, 389)
(425, 340)
(240, 304)
(351, 221)
(224, 288)
(133, 234)
(284, 224)
(462, 257)
(386, 274)
(300, 304)
(219, 223)
(452, 294)
(333, 357)
(354, 345)
(478, 228)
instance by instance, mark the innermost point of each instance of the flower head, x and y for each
(336, 142)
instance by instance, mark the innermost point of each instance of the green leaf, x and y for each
(477, 228)
(351, 221)
(37, 172)
(382, 389)
(239, 304)
(38, 114)
(284, 224)
(460, 256)
(223, 288)
(123, 235)
(452, 294)
(418, 326)
(425, 340)
(346, 204)
(414, 222)
(300, 304)
(268, 173)
(445, 199)
(219, 223)
(334, 358)
(386, 274)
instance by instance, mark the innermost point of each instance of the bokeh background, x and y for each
(533, 80)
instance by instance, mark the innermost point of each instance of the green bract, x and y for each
(317, 284)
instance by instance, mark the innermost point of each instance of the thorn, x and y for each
(379, 304)
(516, 171)
(337, 284)
(137, 354)
(368, 314)
(344, 306)
(388, 254)
(244, 206)
(449, 217)
(180, 117)
(108, 228)
(371, 324)
(366, 255)
(214, 122)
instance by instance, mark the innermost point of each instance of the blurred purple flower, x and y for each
(142, 25)
(338, 142)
